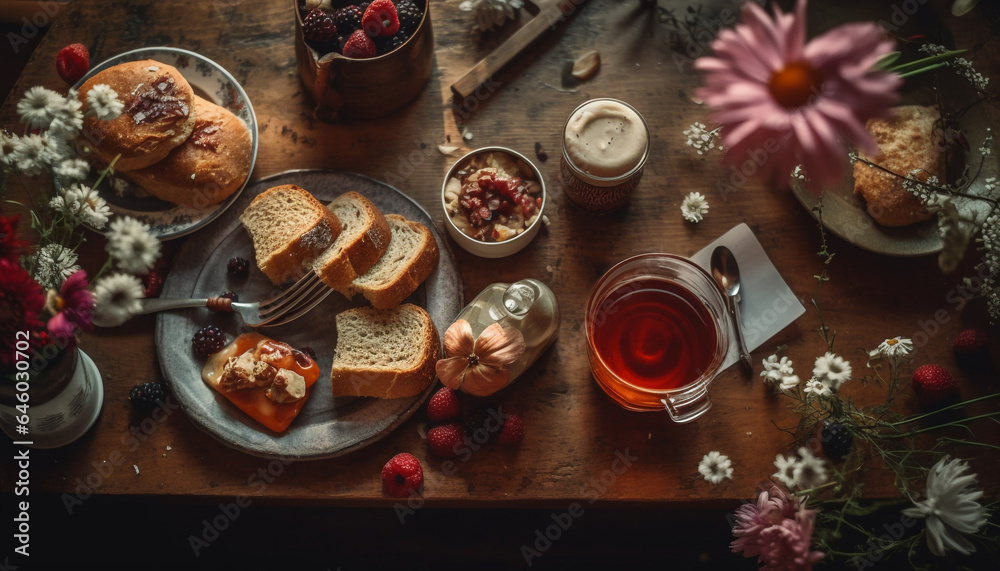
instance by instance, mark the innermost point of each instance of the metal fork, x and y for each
(285, 307)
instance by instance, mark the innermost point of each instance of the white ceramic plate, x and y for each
(326, 426)
(215, 84)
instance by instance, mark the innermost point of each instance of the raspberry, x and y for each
(836, 440)
(153, 284)
(238, 267)
(318, 27)
(513, 429)
(348, 19)
(971, 342)
(380, 19)
(146, 396)
(934, 386)
(443, 405)
(402, 475)
(208, 340)
(409, 16)
(359, 46)
(72, 62)
(446, 440)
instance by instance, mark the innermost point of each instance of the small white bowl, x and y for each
(506, 247)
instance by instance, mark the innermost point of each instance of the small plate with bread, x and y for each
(923, 137)
(184, 146)
(375, 339)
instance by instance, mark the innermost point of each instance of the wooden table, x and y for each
(575, 434)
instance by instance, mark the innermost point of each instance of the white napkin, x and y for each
(767, 303)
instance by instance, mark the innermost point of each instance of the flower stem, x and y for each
(949, 407)
(937, 426)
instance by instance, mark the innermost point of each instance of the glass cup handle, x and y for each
(687, 407)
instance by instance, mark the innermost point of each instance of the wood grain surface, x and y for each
(576, 436)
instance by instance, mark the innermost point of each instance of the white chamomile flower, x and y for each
(700, 138)
(116, 299)
(952, 507)
(92, 210)
(53, 264)
(779, 373)
(132, 246)
(64, 205)
(7, 143)
(103, 102)
(809, 471)
(786, 469)
(694, 207)
(28, 154)
(894, 347)
(715, 467)
(788, 382)
(67, 118)
(35, 108)
(71, 170)
(832, 370)
(816, 389)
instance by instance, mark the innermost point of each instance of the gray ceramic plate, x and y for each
(327, 426)
(845, 214)
(215, 84)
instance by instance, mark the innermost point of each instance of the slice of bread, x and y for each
(910, 140)
(412, 257)
(384, 353)
(363, 238)
(159, 115)
(206, 168)
(289, 229)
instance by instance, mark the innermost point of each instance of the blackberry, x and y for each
(208, 340)
(482, 424)
(348, 19)
(409, 16)
(238, 267)
(319, 27)
(396, 40)
(147, 396)
(836, 440)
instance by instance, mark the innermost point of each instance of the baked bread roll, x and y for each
(412, 257)
(206, 168)
(289, 229)
(909, 140)
(159, 115)
(364, 237)
(384, 353)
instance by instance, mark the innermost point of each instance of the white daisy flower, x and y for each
(952, 507)
(694, 207)
(71, 170)
(715, 467)
(64, 205)
(35, 108)
(54, 150)
(116, 299)
(896, 346)
(7, 141)
(67, 119)
(53, 264)
(91, 208)
(809, 471)
(700, 138)
(132, 246)
(28, 155)
(103, 102)
(786, 469)
(775, 369)
(832, 370)
(816, 389)
(788, 383)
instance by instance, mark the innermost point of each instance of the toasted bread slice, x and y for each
(384, 353)
(910, 140)
(412, 257)
(363, 238)
(289, 229)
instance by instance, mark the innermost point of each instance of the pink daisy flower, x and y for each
(772, 508)
(74, 306)
(784, 102)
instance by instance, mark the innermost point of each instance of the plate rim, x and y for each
(446, 259)
(254, 127)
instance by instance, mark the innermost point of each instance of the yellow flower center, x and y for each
(793, 85)
(891, 342)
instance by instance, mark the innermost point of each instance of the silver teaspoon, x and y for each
(726, 272)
